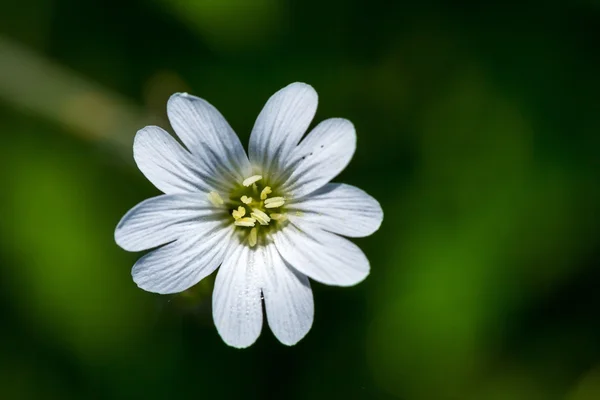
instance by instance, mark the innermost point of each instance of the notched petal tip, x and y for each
(354, 278)
(152, 286)
(122, 237)
(181, 95)
(239, 346)
(300, 85)
(357, 278)
(146, 132)
(341, 121)
(292, 341)
(184, 99)
(143, 284)
(379, 217)
(118, 237)
(300, 89)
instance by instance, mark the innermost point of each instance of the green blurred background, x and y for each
(478, 131)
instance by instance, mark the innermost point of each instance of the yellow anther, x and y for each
(274, 202)
(246, 199)
(253, 237)
(239, 213)
(278, 217)
(249, 181)
(246, 222)
(260, 216)
(265, 192)
(215, 199)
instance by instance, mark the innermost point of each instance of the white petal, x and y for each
(208, 136)
(162, 219)
(339, 208)
(321, 156)
(168, 166)
(280, 125)
(183, 263)
(237, 306)
(323, 256)
(288, 299)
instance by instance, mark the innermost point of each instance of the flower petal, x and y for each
(280, 125)
(208, 136)
(168, 166)
(181, 264)
(162, 219)
(339, 208)
(321, 156)
(323, 256)
(288, 299)
(237, 306)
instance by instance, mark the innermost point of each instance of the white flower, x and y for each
(269, 219)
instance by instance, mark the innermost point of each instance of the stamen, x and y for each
(215, 199)
(246, 222)
(249, 181)
(265, 192)
(274, 202)
(260, 216)
(278, 217)
(246, 199)
(253, 237)
(239, 213)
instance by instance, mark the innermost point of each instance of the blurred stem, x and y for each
(30, 82)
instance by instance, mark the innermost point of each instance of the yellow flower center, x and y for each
(252, 207)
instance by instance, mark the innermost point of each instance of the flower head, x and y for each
(270, 219)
